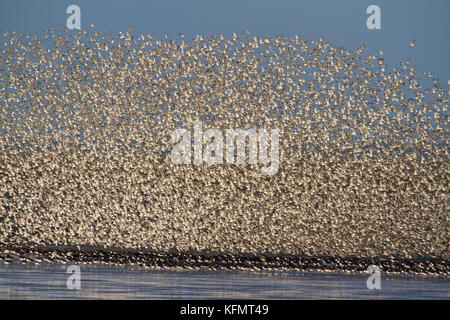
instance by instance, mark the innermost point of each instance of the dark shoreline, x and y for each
(432, 266)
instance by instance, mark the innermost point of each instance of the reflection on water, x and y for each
(48, 281)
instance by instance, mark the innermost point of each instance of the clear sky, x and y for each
(427, 22)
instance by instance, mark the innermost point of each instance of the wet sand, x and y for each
(106, 281)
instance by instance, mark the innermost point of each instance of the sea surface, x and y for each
(105, 281)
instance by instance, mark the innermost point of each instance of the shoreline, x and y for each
(170, 260)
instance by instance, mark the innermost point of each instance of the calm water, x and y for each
(48, 281)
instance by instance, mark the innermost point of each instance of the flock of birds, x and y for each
(86, 120)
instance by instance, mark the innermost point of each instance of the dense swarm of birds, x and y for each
(85, 136)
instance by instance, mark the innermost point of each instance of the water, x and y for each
(48, 281)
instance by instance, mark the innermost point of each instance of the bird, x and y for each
(86, 129)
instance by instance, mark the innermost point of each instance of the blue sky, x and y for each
(425, 21)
